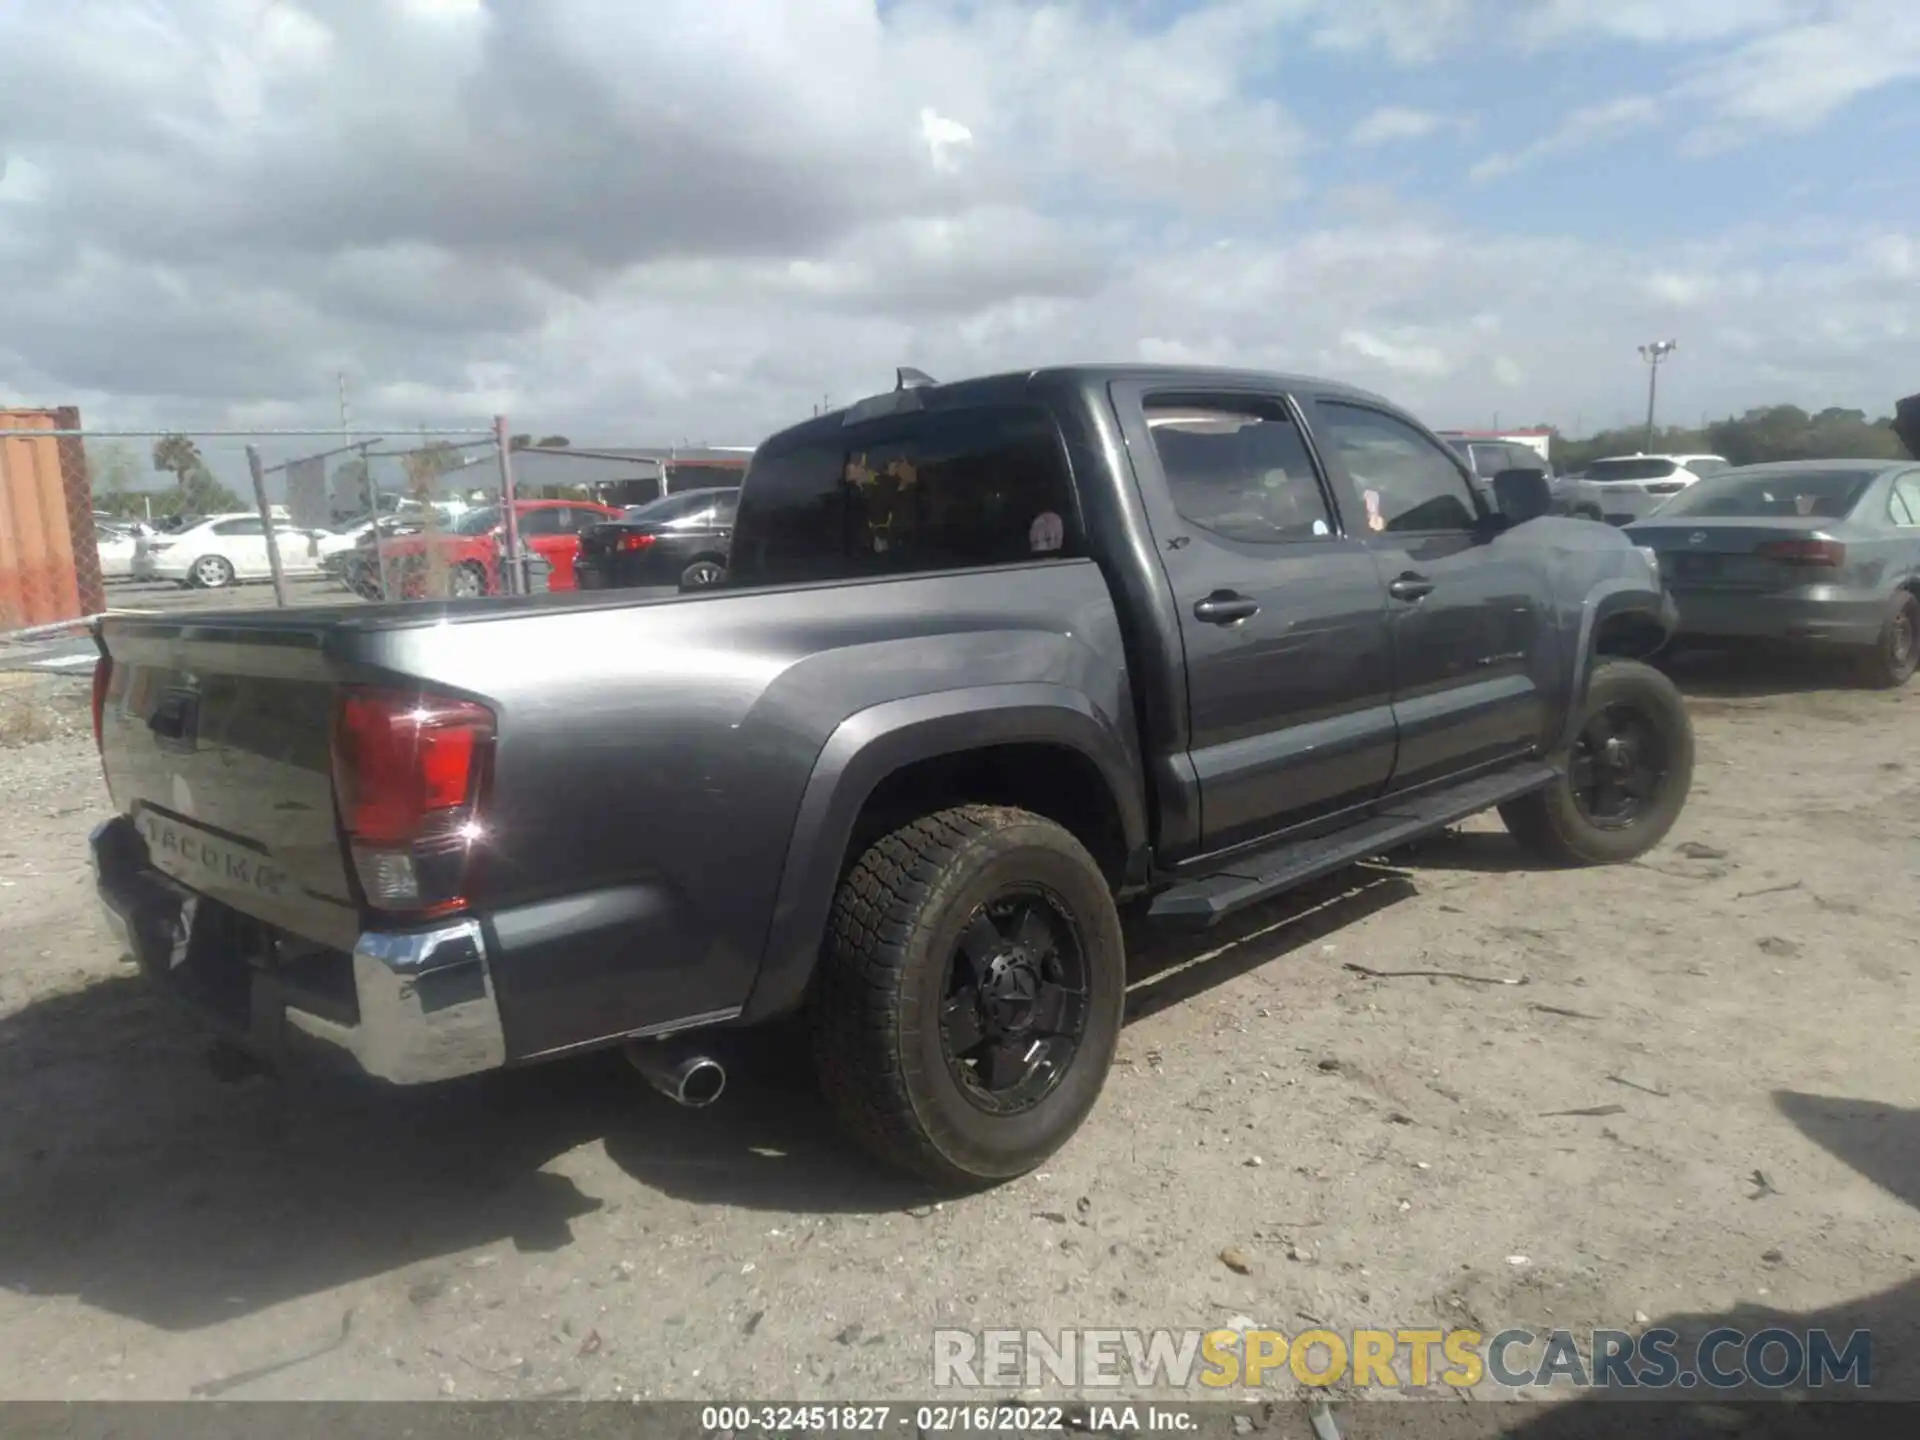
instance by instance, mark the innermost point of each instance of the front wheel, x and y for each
(969, 996)
(1623, 781)
(701, 574)
(1892, 659)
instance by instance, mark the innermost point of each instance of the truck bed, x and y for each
(651, 762)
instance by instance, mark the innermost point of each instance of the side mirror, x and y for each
(1522, 495)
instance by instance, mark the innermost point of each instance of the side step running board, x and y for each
(1252, 878)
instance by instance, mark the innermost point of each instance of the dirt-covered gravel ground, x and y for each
(1736, 1015)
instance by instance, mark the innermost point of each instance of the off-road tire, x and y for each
(1549, 823)
(1890, 662)
(874, 1009)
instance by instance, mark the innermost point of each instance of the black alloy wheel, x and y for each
(1617, 767)
(1014, 1007)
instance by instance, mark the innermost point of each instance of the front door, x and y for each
(1472, 651)
(1282, 614)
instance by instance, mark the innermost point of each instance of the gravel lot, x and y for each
(1379, 1150)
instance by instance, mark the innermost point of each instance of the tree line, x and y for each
(1767, 433)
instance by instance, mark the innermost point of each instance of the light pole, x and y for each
(1653, 354)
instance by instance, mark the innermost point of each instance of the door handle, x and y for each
(1224, 607)
(1410, 587)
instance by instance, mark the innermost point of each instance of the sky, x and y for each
(696, 220)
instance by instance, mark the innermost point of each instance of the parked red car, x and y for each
(471, 547)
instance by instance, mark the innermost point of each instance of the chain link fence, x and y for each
(102, 519)
(93, 520)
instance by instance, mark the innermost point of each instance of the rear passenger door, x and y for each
(243, 541)
(1472, 644)
(1282, 612)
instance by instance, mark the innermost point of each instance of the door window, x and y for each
(1520, 457)
(1240, 470)
(1490, 460)
(544, 521)
(1407, 483)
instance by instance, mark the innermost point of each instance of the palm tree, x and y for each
(179, 456)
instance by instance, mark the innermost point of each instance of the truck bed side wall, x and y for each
(654, 759)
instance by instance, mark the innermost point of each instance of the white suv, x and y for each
(1631, 486)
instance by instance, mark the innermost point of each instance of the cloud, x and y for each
(1394, 123)
(942, 137)
(1658, 22)
(1590, 125)
(692, 220)
(1794, 79)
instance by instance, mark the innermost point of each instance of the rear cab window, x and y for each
(965, 488)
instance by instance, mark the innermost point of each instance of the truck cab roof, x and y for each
(916, 391)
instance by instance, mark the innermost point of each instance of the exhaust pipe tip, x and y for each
(701, 1082)
(691, 1079)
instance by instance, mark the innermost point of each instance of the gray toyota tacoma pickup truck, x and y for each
(990, 658)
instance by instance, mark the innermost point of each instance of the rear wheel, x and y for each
(467, 582)
(702, 573)
(1623, 781)
(212, 572)
(1891, 661)
(970, 993)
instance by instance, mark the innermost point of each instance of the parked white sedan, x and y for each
(116, 547)
(223, 549)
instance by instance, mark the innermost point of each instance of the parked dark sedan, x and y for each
(679, 540)
(1818, 552)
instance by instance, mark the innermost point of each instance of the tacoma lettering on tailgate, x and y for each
(225, 863)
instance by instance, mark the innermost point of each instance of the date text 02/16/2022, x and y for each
(942, 1419)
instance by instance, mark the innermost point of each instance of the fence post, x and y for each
(373, 509)
(515, 578)
(266, 519)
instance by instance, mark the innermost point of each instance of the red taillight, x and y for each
(630, 543)
(1805, 552)
(407, 772)
(102, 679)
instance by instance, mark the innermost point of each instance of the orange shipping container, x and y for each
(49, 562)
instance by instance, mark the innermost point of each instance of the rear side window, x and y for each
(246, 525)
(1240, 471)
(1634, 468)
(945, 490)
(1903, 505)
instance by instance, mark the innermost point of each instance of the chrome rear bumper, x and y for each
(421, 1006)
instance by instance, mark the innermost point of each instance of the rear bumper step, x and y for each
(407, 1007)
(1253, 878)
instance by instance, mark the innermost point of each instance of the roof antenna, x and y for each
(908, 378)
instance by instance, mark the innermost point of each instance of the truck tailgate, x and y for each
(215, 743)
